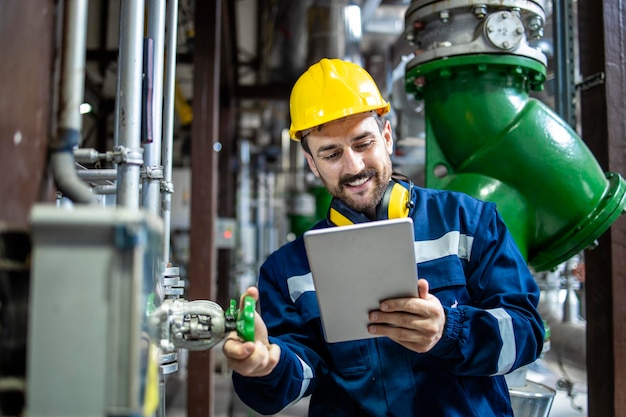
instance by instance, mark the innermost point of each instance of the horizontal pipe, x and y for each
(98, 174)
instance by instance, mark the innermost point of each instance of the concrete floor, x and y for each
(228, 404)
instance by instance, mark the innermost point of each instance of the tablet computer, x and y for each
(356, 267)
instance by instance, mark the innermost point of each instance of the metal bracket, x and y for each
(173, 286)
(153, 172)
(124, 155)
(591, 81)
(167, 187)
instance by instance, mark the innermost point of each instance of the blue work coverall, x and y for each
(492, 326)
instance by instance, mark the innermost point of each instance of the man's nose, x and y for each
(353, 162)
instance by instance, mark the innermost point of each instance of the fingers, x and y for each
(251, 358)
(414, 322)
(422, 288)
(252, 292)
(416, 340)
(236, 349)
(413, 305)
(419, 335)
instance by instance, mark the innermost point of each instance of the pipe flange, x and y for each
(505, 30)
(436, 7)
(449, 28)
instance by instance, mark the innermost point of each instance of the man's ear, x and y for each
(388, 137)
(311, 162)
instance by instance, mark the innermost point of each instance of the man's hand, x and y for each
(415, 323)
(256, 358)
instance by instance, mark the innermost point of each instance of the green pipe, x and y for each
(487, 137)
(301, 221)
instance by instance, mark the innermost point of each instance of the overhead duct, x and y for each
(485, 135)
(335, 31)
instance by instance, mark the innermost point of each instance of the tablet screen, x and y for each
(356, 267)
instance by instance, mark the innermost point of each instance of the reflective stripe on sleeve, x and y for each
(307, 375)
(299, 284)
(506, 359)
(452, 243)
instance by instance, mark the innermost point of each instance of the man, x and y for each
(474, 320)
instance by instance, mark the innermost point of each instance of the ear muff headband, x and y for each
(340, 214)
(396, 203)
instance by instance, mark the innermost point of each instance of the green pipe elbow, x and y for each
(487, 137)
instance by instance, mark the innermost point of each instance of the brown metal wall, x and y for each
(26, 62)
(603, 52)
(204, 180)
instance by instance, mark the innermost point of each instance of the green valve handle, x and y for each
(244, 318)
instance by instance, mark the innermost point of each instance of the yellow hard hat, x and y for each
(329, 90)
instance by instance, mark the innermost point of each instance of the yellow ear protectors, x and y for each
(396, 203)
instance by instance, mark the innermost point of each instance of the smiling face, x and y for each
(352, 157)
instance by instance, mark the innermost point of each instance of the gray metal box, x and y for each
(92, 271)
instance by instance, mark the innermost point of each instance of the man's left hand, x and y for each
(416, 323)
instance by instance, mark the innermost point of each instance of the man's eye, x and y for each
(331, 156)
(364, 145)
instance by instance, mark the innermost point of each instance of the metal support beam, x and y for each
(602, 53)
(227, 133)
(204, 172)
(565, 88)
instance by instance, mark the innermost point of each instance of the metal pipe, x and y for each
(247, 237)
(152, 173)
(105, 189)
(71, 95)
(128, 103)
(168, 123)
(87, 155)
(98, 174)
(167, 188)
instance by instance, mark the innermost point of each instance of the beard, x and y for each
(368, 203)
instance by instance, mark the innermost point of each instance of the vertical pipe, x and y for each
(73, 64)
(71, 95)
(261, 208)
(167, 144)
(168, 122)
(272, 235)
(128, 103)
(152, 172)
(246, 236)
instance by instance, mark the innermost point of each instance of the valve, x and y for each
(199, 324)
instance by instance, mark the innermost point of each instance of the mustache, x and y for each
(347, 179)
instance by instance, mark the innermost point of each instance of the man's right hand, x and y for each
(256, 358)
